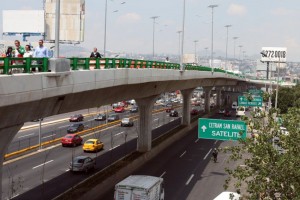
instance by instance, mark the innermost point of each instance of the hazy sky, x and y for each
(257, 23)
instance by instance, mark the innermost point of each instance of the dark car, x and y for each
(134, 109)
(227, 113)
(71, 140)
(127, 122)
(76, 118)
(74, 128)
(173, 113)
(100, 117)
(82, 164)
(194, 111)
(113, 117)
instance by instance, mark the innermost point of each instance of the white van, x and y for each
(240, 111)
(140, 187)
(234, 105)
(228, 196)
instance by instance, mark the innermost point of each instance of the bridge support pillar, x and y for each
(186, 116)
(219, 96)
(207, 91)
(6, 136)
(145, 123)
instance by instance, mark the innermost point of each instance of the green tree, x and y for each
(285, 100)
(270, 161)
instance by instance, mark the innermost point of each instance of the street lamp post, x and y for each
(105, 21)
(234, 38)
(179, 32)
(212, 35)
(57, 28)
(154, 18)
(226, 26)
(276, 97)
(40, 133)
(182, 40)
(240, 46)
(195, 41)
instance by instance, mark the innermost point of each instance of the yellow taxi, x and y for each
(92, 145)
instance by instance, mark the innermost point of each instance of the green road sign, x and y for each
(256, 92)
(221, 129)
(254, 102)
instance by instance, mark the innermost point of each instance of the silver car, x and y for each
(82, 164)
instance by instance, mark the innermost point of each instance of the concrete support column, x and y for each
(186, 116)
(219, 97)
(207, 91)
(6, 136)
(145, 123)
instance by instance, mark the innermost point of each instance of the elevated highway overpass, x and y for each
(62, 87)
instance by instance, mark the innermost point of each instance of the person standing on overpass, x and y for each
(95, 54)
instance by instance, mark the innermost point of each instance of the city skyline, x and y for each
(129, 26)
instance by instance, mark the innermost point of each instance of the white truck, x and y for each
(140, 187)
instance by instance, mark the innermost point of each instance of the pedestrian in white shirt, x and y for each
(28, 52)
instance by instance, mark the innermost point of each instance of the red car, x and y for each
(227, 113)
(119, 109)
(169, 109)
(71, 140)
(76, 118)
(194, 112)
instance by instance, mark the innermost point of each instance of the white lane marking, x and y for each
(162, 174)
(188, 181)
(216, 142)
(67, 170)
(114, 147)
(63, 126)
(196, 140)
(207, 154)
(155, 119)
(119, 133)
(48, 136)
(182, 154)
(26, 135)
(43, 164)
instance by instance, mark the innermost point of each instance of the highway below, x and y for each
(187, 168)
(50, 166)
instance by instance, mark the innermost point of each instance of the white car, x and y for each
(234, 105)
(240, 111)
(283, 130)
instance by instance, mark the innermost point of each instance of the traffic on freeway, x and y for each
(52, 163)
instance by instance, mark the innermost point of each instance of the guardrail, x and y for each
(23, 65)
(28, 65)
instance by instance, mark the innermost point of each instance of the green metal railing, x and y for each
(27, 65)
(108, 63)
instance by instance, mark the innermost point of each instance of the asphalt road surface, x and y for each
(187, 168)
(52, 165)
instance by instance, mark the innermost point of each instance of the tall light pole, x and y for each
(206, 51)
(276, 97)
(234, 39)
(212, 36)
(105, 21)
(57, 28)
(240, 46)
(182, 40)
(154, 18)
(179, 39)
(226, 26)
(195, 41)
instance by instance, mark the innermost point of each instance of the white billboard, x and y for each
(72, 16)
(273, 54)
(189, 58)
(23, 21)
